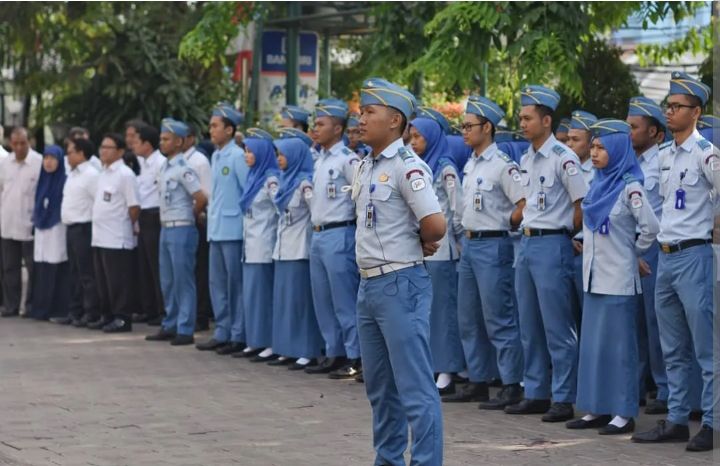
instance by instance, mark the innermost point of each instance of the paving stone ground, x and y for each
(77, 397)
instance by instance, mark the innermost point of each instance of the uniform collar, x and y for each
(82, 167)
(586, 166)
(189, 152)
(176, 160)
(688, 144)
(115, 165)
(488, 153)
(650, 153)
(31, 153)
(227, 148)
(392, 150)
(334, 149)
(545, 148)
(152, 158)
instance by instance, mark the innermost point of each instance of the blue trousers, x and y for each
(393, 324)
(545, 291)
(684, 301)
(651, 337)
(177, 278)
(226, 290)
(608, 368)
(445, 344)
(578, 296)
(487, 312)
(258, 304)
(335, 278)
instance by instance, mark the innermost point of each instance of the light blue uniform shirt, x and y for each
(588, 172)
(177, 182)
(491, 188)
(650, 165)
(397, 186)
(334, 169)
(697, 160)
(261, 222)
(449, 193)
(552, 170)
(610, 264)
(229, 174)
(294, 227)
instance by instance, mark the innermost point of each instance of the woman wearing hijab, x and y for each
(613, 210)
(295, 330)
(260, 229)
(429, 142)
(50, 254)
(459, 151)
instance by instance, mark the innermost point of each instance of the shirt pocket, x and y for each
(381, 193)
(230, 212)
(664, 182)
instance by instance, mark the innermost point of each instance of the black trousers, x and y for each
(14, 253)
(50, 298)
(83, 289)
(113, 269)
(202, 279)
(151, 300)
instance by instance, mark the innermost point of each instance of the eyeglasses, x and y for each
(108, 147)
(469, 126)
(673, 107)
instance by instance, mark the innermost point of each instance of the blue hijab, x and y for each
(459, 151)
(608, 182)
(437, 152)
(265, 166)
(299, 168)
(49, 194)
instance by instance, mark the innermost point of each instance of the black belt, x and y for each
(670, 248)
(543, 232)
(329, 226)
(486, 234)
(80, 225)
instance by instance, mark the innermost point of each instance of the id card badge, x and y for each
(370, 216)
(477, 202)
(288, 217)
(331, 191)
(605, 227)
(541, 201)
(680, 199)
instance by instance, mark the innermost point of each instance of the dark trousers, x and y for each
(204, 306)
(151, 300)
(113, 269)
(13, 254)
(50, 299)
(83, 289)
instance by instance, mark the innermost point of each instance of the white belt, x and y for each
(177, 223)
(387, 268)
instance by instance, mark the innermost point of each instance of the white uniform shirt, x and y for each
(201, 166)
(147, 179)
(79, 194)
(260, 225)
(18, 183)
(50, 245)
(449, 194)
(294, 227)
(117, 191)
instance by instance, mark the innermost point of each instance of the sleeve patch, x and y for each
(560, 150)
(418, 184)
(189, 176)
(308, 192)
(450, 180)
(273, 187)
(409, 174)
(636, 200)
(570, 168)
(703, 143)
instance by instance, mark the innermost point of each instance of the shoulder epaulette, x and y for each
(703, 143)
(629, 178)
(559, 150)
(665, 144)
(346, 151)
(503, 156)
(405, 154)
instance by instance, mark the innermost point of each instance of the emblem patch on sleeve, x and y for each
(308, 192)
(188, 176)
(418, 184)
(636, 200)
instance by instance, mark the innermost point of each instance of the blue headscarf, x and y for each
(265, 166)
(437, 152)
(608, 182)
(459, 151)
(49, 194)
(299, 168)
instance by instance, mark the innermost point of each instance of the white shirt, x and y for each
(147, 180)
(18, 183)
(3, 152)
(201, 166)
(79, 194)
(50, 246)
(117, 191)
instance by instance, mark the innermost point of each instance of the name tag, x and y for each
(477, 202)
(370, 216)
(541, 201)
(605, 227)
(680, 199)
(107, 196)
(331, 191)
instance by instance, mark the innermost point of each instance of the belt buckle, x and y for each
(317, 228)
(526, 231)
(363, 273)
(468, 234)
(665, 248)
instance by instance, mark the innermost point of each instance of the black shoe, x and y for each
(327, 366)
(267, 359)
(280, 361)
(497, 383)
(139, 318)
(559, 412)
(528, 406)
(459, 379)
(79, 323)
(600, 421)
(201, 325)
(664, 431)
(508, 395)
(210, 345)
(348, 371)
(657, 407)
(471, 392)
(161, 335)
(695, 415)
(230, 348)
(7, 313)
(247, 354)
(67, 320)
(360, 378)
(703, 441)
(118, 325)
(155, 321)
(84, 321)
(182, 340)
(611, 429)
(99, 324)
(299, 367)
(448, 389)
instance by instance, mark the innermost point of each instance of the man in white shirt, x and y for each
(200, 163)
(76, 212)
(19, 174)
(116, 209)
(3, 152)
(148, 278)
